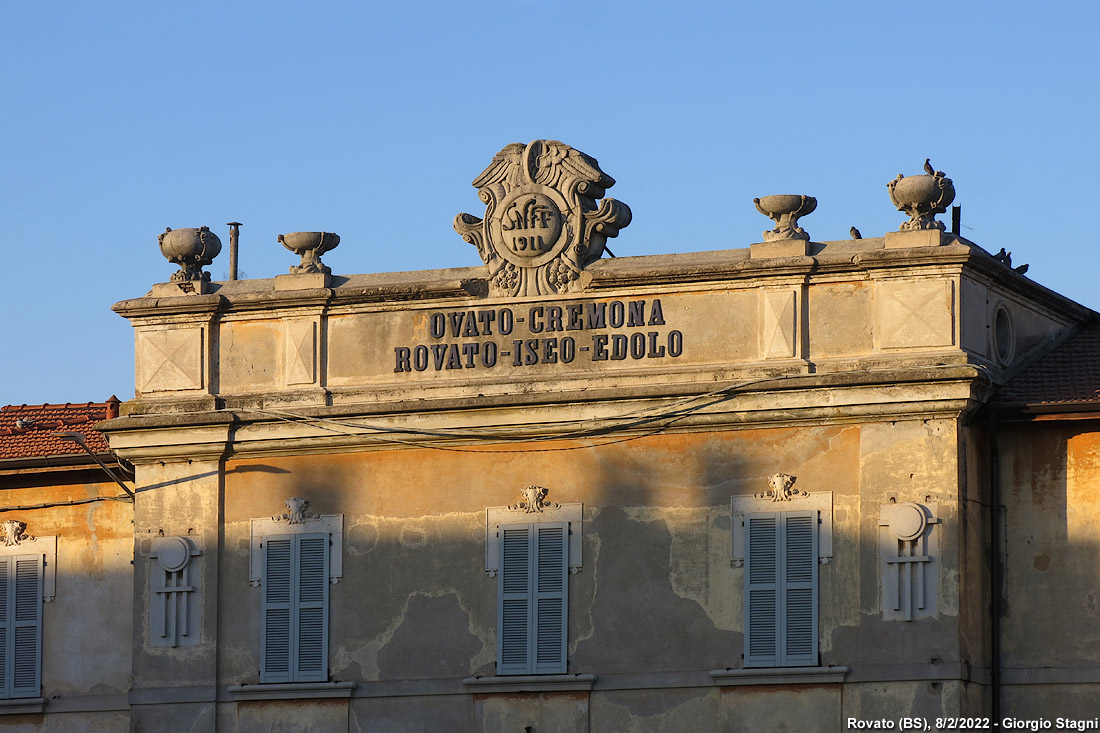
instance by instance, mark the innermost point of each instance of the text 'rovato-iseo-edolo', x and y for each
(539, 335)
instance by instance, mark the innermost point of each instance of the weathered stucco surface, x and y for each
(409, 404)
(81, 668)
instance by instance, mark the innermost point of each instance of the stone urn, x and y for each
(922, 197)
(310, 246)
(785, 210)
(191, 249)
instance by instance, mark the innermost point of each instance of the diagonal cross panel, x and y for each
(170, 360)
(916, 314)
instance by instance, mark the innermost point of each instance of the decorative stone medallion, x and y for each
(542, 223)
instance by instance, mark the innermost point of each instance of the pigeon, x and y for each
(928, 167)
(855, 233)
(1021, 269)
(1005, 257)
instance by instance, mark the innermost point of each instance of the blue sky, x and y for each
(370, 120)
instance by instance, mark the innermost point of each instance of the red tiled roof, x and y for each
(31, 431)
(1069, 374)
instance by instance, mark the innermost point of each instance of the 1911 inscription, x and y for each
(539, 334)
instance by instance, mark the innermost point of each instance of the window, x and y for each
(533, 601)
(295, 557)
(21, 590)
(781, 564)
(294, 639)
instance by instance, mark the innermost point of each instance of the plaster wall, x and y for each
(88, 618)
(656, 595)
(1051, 590)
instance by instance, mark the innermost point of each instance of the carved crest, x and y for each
(13, 532)
(542, 222)
(296, 511)
(534, 500)
(781, 488)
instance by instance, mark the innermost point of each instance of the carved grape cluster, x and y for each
(560, 274)
(507, 277)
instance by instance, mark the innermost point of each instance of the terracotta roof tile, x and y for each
(31, 431)
(1069, 374)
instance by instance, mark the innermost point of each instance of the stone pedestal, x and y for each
(176, 289)
(303, 281)
(919, 238)
(779, 248)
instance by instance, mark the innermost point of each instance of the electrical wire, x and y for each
(665, 415)
(48, 505)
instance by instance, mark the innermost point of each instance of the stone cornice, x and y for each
(660, 272)
(852, 397)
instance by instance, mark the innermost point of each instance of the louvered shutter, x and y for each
(532, 610)
(277, 582)
(21, 626)
(294, 639)
(799, 608)
(311, 654)
(551, 598)
(513, 604)
(781, 589)
(761, 590)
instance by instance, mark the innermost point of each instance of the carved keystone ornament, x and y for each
(14, 532)
(781, 488)
(542, 224)
(296, 511)
(534, 500)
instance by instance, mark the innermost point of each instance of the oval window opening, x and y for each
(1002, 334)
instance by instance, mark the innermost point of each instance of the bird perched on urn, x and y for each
(928, 167)
(855, 233)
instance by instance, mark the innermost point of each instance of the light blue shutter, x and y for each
(761, 590)
(551, 598)
(294, 639)
(277, 582)
(27, 624)
(513, 604)
(781, 589)
(21, 626)
(5, 628)
(533, 605)
(311, 655)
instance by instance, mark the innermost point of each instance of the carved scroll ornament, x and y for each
(542, 223)
(14, 532)
(296, 511)
(534, 500)
(781, 488)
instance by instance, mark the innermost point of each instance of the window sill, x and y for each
(779, 676)
(531, 683)
(291, 690)
(22, 705)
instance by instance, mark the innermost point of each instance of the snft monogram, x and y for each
(533, 215)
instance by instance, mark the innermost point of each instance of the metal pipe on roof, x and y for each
(78, 438)
(234, 235)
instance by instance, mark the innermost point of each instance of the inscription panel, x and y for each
(549, 337)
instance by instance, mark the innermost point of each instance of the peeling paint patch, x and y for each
(642, 712)
(698, 557)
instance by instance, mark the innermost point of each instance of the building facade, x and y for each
(768, 488)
